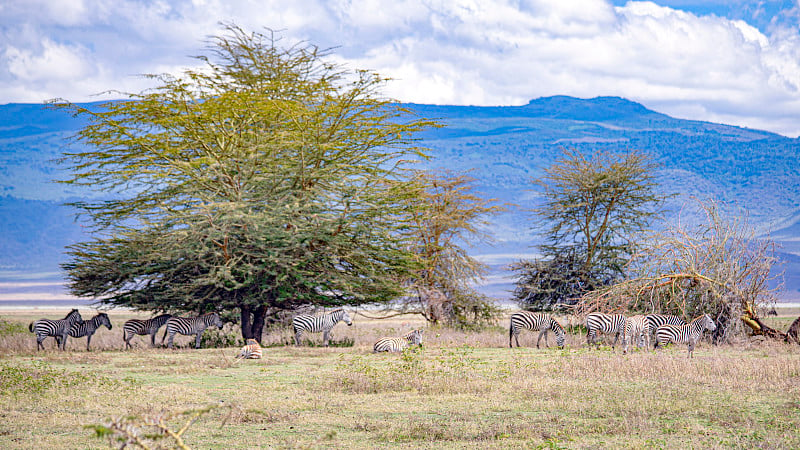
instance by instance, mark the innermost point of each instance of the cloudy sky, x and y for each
(735, 62)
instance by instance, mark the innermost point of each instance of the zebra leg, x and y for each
(691, 348)
(153, 338)
(297, 335)
(39, 344)
(197, 339)
(539, 339)
(510, 335)
(169, 341)
(616, 338)
(88, 341)
(325, 338)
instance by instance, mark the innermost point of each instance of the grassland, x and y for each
(461, 390)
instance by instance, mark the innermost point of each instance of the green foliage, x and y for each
(40, 377)
(472, 311)
(594, 209)
(8, 328)
(269, 178)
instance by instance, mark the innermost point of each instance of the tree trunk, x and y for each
(247, 324)
(794, 331)
(253, 321)
(758, 327)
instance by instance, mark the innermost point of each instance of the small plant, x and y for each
(151, 431)
(11, 328)
(216, 338)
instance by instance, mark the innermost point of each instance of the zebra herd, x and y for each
(73, 325)
(636, 329)
(666, 329)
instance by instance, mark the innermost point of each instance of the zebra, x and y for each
(635, 328)
(142, 327)
(190, 325)
(398, 344)
(88, 327)
(535, 322)
(306, 323)
(59, 329)
(653, 321)
(685, 334)
(251, 350)
(604, 323)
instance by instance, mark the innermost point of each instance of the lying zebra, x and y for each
(684, 334)
(59, 329)
(398, 344)
(251, 350)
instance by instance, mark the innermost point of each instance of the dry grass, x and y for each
(460, 390)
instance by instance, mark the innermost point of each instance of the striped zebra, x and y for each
(606, 324)
(635, 331)
(324, 323)
(142, 327)
(59, 329)
(251, 350)
(398, 344)
(535, 322)
(190, 325)
(88, 327)
(653, 321)
(685, 334)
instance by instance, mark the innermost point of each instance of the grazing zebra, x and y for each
(251, 350)
(535, 322)
(684, 334)
(398, 344)
(324, 323)
(604, 323)
(142, 327)
(88, 327)
(190, 325)
(635, 328)
(59, 329)
(653, 321)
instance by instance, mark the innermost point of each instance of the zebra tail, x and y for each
(30, 327)
(510, 334)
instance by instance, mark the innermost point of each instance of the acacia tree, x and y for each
(593, 209)
(443, 216)
(716, 265)
(268, 178)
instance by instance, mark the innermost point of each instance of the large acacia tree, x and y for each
(593, 209)
(267, 178)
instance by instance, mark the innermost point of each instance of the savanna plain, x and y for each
(460, 390)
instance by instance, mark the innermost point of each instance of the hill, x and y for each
(754, 172)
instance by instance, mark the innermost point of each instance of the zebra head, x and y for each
(102, 319)
(560, 335)
(74, 317)
(346, 318)
(215, 320)
(415, 337)
(707, 323)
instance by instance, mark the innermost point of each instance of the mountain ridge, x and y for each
(503, 147)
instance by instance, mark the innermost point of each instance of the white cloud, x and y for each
(457, 52)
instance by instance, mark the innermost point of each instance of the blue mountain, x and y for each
(504, 147)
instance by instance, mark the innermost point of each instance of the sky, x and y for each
(735, 62)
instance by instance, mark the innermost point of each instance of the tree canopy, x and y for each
(593, 207)
(267, 178)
